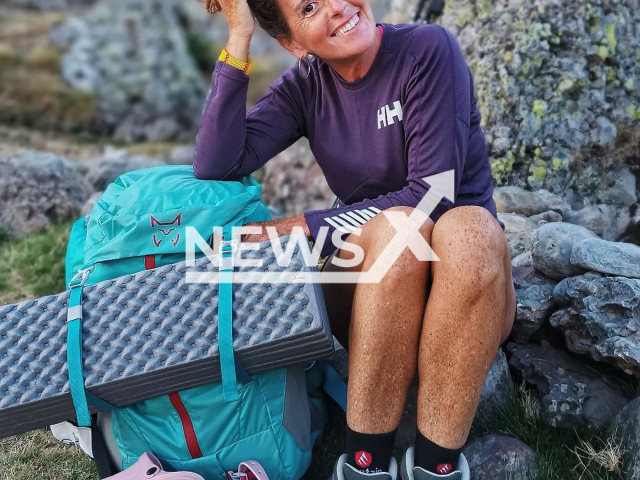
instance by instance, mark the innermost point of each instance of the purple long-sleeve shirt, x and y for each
(412, 115)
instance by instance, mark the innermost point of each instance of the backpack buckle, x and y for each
(227, 251)
(228, 246)
(81, 276)
(239, 476)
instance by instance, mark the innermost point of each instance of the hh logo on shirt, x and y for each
(386, 115)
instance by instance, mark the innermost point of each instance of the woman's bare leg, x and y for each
(469, 312)
(385, 321)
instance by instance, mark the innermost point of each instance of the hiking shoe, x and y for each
(344, 471)
(408, 470)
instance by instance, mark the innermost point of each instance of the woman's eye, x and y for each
(308, 10)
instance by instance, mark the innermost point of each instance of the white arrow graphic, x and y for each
(442, 185)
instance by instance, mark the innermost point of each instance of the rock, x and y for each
(162, 129)
(625, 428)
(90, 203)
(519, 232)
(133, 56)
(572, 395)
(615, 258)
(552, 246)
(554, 203)
(556, 75)
(498, 387)
(293, 182)
(589, 217)
(181, 155)
(601, 318)
(496, 391)
(607, 221)
(518, 200)
(616, 221)
(114, 163)
(547, 217)
(497, 457)
(534, 304)
(619, 189)
(38, 189)
(606, 131)
(524, 260)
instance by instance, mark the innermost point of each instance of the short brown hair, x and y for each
(270, 17)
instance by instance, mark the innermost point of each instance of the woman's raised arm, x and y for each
(231, 143)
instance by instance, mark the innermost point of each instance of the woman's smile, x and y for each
(348, 26)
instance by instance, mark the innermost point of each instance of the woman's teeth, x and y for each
(352, 23)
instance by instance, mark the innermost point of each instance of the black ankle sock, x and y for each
(434, 458)
(370, 452)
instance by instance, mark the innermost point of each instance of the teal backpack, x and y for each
(140, 222)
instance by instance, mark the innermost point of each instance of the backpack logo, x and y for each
(363, 459)
(168, 227)
(386, 115)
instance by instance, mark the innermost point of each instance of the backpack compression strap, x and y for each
(74, 353)
(228, 247)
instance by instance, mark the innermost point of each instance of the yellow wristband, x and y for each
(226, 57)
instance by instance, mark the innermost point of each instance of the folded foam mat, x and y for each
(152, 333)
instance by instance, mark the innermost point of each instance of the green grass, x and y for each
(562, 454)
(38, 455)
(33, 266)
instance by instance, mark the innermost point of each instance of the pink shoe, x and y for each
(249, 470)
(148, 467)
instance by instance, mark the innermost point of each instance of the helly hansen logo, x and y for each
(386, 115)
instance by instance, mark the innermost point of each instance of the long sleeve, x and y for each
(232, 143)
(436, 110)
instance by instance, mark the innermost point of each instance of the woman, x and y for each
(384, 108)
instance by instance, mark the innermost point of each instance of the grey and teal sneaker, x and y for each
(408, 470)
(344, 471)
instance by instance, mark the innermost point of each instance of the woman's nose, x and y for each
(337, 6)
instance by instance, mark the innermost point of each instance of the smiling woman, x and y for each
(391, 118)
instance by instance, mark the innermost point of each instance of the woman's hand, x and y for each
(237, 13)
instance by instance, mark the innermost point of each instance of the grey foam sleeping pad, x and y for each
(152, 333)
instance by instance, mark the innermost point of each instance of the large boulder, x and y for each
(498, 387)
(615, 258)
(625, 428)
(38, 189)
(534, 304)
(600, 317)
(552, 76)
(497, 457)
(133, 56)
(519, 232)
(572, 395)
(607, 221)
(513, 199)
(113, 163)
(552, 246)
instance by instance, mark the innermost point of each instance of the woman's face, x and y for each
(316, 28)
